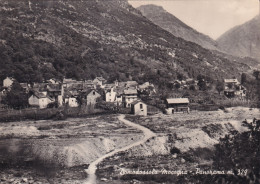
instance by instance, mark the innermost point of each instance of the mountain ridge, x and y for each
(169, 22)
(242, 40)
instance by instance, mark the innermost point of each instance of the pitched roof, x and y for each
(39, 94)
(230, 80)
(177, 100)
(136, 102)
(69, 81)
(11, 78)
(100, 78)
(54, 87)
(24, 85)
(130, 91)
(40, 86)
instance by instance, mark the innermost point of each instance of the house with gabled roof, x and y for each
(99, 81)
(25, 87)
(70, 99)
(91, 96)
(8, 82)
(230, 83)
(53, 81)
(177, 105)
(129, 96)
(40, 99)
(139, 108)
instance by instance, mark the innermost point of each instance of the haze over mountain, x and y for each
(169, 22)
(243, 40)
(83, 39)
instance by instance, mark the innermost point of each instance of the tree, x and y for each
(243, 78)
(240, 151)
(192, 87)
(256, 74)
(16, 97)
(177, 85)
(219, 86)
(202, 84)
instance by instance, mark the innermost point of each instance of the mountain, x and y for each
(83, 39)
(169, 22)
(243, 40)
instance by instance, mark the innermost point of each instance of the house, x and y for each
(25, 87)
(131, 84)
(40, 99)
(53, 81)
(40, 87)
(8, 81)
(147, 88)
(230, 83)
(119, 95)
(91, 96)
(70, 99)
(99, 81)
(129, 96)
(110, 95)
(233, 88)
(56, 92)
(177, 105)
(88, 84)
(139, 108)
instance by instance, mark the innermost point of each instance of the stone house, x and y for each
(91, 96)
(139, 108)
(40, 99)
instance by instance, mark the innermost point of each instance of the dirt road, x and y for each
(93, 166)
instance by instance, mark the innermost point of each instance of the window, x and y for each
(141, 106)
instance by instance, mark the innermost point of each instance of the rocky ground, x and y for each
(184, 142)
(58, 151)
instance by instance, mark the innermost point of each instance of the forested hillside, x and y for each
(83, 39)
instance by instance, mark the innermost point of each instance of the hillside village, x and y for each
(74, 93)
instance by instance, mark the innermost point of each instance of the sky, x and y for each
(211, 17)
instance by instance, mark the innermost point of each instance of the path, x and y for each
(93, 166)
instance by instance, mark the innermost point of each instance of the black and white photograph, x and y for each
(129, 91)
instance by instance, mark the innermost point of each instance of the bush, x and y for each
(175, 150)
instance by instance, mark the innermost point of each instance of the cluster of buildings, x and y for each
(233, 88)
(185, 84)
(73, 92)
(124, 94)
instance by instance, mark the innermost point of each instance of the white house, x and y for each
(71, 101)
(8, 81)
(111, 95)
(99, 81)
(230, 83)
(139, 108)
(40, 100)
(130, 95)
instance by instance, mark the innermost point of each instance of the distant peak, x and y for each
(151, 7)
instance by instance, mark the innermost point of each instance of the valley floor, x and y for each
(60, 151)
